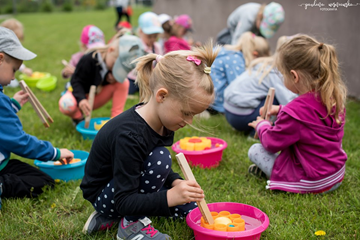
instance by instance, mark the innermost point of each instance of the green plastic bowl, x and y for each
(47, 84)
(32, 81)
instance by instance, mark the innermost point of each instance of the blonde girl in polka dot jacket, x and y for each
(231, 61)
(128, 173)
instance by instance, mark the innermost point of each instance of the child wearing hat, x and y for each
(263, 20)
(105, 67)
(17, 27)
(148, 31)
(182, 25)
(91, 36)
(17, 178)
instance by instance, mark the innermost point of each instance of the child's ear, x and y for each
(295, 76)
(161, 94)
(2, 58)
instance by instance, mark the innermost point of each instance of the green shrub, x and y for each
(68, 6)
(100, 5)
(8, 9)
(27, 6)
(47, 6)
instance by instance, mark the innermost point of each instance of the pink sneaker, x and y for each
(140, 230)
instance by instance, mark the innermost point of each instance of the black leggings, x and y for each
(20, 179)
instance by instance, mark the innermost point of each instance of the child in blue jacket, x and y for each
(19, 179)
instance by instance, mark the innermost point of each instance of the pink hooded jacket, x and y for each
(311, 158)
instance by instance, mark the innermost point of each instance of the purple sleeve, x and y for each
(284, 133)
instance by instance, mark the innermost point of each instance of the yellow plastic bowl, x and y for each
(47, 84)
(32, 80)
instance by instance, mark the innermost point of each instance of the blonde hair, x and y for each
(316, 64)
(248, 43)
(15, 26)
(114, 43)
(182, 78)
(268, 63)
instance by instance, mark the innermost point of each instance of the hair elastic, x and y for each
(159, 57)
(321, 46)
(207, 70)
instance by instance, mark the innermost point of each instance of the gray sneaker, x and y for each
(97, 222)
(140, 230)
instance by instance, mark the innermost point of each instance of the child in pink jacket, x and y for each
(302, 152)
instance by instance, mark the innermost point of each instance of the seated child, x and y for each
(18, 29)
(128, 174)
(231, 62)
(247, 93)
(302, 152)
(17, 178)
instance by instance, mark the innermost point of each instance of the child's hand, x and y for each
(65, 153)
(21, 97)
(273, 111)
(85, 107)
(68, 71)
(27, 71)
(184, 192)
(255, 122)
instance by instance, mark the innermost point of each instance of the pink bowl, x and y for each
(205, 159)
(256, 222)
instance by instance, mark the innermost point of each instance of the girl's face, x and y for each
(174, 114)
(149, 39)
(8, 67)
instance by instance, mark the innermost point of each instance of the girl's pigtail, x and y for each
(245, 44)
(330, 85)
(208, 53)
(144, 68)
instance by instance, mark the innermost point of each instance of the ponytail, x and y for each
(329, 83)
(249, 43)
(144, 69)
(113, 42)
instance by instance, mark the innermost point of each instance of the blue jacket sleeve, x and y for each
(14, 139)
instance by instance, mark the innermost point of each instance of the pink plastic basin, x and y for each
(208, 158)
(256, 222)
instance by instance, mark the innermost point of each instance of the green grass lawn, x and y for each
(62, 212)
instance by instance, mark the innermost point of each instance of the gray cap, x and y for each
(11, 45)
(130, 48)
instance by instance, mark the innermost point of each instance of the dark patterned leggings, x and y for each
(156, 169)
